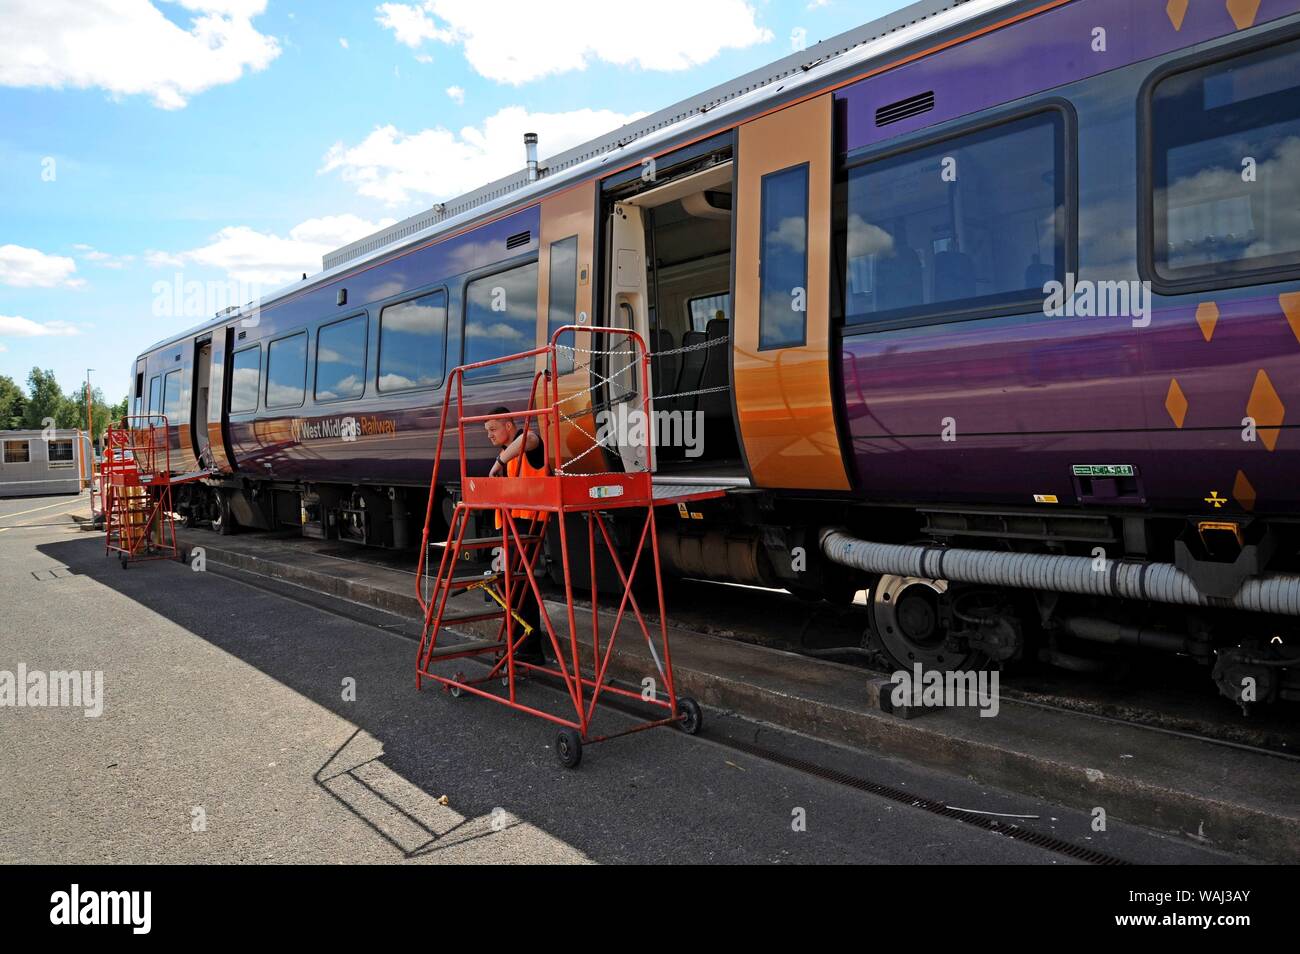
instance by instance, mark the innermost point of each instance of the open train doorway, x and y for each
(199, 437)
(669, 276)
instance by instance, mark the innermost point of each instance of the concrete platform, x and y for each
(1215, 794)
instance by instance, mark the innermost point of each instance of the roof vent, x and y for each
(905, 109)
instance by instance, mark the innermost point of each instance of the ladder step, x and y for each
(479, 543)
(470, 616)
(461, 580)
(460, 649)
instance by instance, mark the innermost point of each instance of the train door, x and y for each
(199, 409)
(782, 360)
(668, 276)
(219, 373)
(565, 296)
(137, 403)
(620, 391)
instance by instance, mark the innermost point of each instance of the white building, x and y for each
(39, 463)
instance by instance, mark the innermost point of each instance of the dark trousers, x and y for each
(526, 605)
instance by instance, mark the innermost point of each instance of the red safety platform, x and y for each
(527, 507)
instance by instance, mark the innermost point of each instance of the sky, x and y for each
(159, 160)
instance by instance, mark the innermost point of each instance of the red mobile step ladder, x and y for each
(521, 541)
(136, 486)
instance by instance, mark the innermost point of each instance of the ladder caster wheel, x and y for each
(455, 690)
(568, 748)
(692, 717)
(121, 558)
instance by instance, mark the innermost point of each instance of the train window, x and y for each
(413, 343)
(245, 379)
(973, 222)
(703, 310)
(341, 359)
(17, 452)
(155, 394)
(501, 319)
(1225, 168)
(171, 397)
(286, 371)
(563, 294)
(783, 257)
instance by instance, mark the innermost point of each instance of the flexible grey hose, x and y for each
(1153, 582)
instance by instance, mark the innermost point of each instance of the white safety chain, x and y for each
(609, 379)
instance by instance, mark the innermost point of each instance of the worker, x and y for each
(521, 454)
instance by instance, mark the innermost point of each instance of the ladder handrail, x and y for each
(549, 411)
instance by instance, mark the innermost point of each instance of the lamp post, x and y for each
(90, 429)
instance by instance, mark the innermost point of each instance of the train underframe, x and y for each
(768, 540)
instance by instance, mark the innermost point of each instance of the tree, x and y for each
(12, 402)
(46, 400)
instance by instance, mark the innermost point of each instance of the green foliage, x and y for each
(46, 400)
(12, 402)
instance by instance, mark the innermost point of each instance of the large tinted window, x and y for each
(341, 359)
(155, 395)
(501, 319)
(1226, 166)
(171, 406)
(563, 297)
(286, 371)
(245, 378)
(413, 343)
(783, 255)
(970, 222)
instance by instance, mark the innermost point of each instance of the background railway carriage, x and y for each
(843, 260)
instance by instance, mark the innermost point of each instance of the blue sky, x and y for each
(220, 141)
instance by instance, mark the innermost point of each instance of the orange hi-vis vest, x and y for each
(519, 467)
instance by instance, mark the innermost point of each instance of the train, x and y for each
(986, 312)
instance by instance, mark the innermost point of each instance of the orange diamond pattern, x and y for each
(1207, 316)
(1291, 308)
(1243, 492)
(1243, 12)
(1267, 410)
(1177, 9)
(1176, 403)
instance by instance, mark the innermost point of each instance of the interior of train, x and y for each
(687, 242)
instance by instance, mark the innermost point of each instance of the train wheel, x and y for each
(906, 624)
(223, 521)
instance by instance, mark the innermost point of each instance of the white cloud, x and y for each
(457, 95)
(343, 42)
(130, 48)
(410, 24)
(156, 259)
(18, 327)
(88, 253)
(268, 260)
(31, 268)
(393, 166)
(511, 41)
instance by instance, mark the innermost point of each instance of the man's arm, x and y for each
(513, 450)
